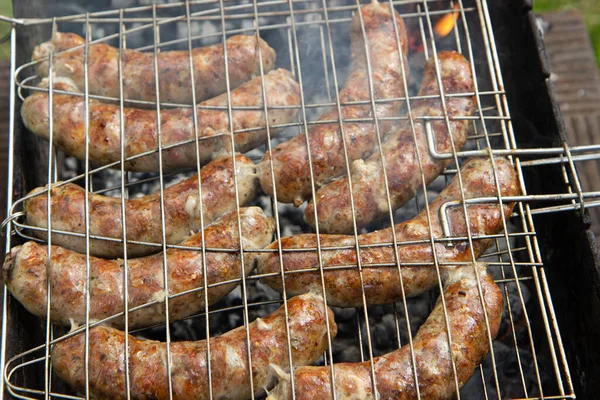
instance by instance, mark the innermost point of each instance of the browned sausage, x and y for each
(143, 214)
(394, 375)
(307, 318)
(176, 125)
(138, 68)
(290, 159)
(27, 268)
(402, 164)
(381, 285)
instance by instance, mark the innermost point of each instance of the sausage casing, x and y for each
(173, 66)
(143, 214)
(394, 371)
(381, 284)
(27, 268)
(401, 161)
(229, 357)
(141, 131)
(290, 159)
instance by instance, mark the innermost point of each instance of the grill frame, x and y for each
(562, 154)
(567, 241)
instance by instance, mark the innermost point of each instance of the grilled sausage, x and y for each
(27, 268)
(176, 125)
(138, 68)
(290, 159)
(143, 214)
(394, 371)
(382, 284)
(401, 161)
(228, 354)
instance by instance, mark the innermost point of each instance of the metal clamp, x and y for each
(9, 219)
(445, 220)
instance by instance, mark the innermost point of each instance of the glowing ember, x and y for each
(445, 25)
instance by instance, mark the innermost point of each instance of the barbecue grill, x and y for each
(545, 261)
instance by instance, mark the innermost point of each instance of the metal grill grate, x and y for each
(540, 369)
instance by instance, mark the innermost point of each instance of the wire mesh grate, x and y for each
(311, 39)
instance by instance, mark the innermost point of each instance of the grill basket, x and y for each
(545, 252)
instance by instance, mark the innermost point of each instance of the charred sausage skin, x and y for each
(27, 268)
(189, 371)
(173, 67)
(143, 214)
(394, 372)
(176, 125)
(290, 159)
(382, 284)
(402, 164)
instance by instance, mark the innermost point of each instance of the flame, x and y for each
(445, 25)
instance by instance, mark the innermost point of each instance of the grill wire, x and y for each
(516, 261)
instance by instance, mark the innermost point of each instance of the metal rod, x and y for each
(156, 37)
(9, 195)
(123, 207)
(462, 191)
(505, 229)
(105, 16)
(411, 119)
(445, 220)
(87, 285)
(237, 199)
(49, 222)
(276, 211)
(200, 202)
(561, 349)
(544, 313)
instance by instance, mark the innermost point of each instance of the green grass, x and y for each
(5, 9)
(590, 9)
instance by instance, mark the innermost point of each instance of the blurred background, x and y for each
(5, 9)
(589, 9)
